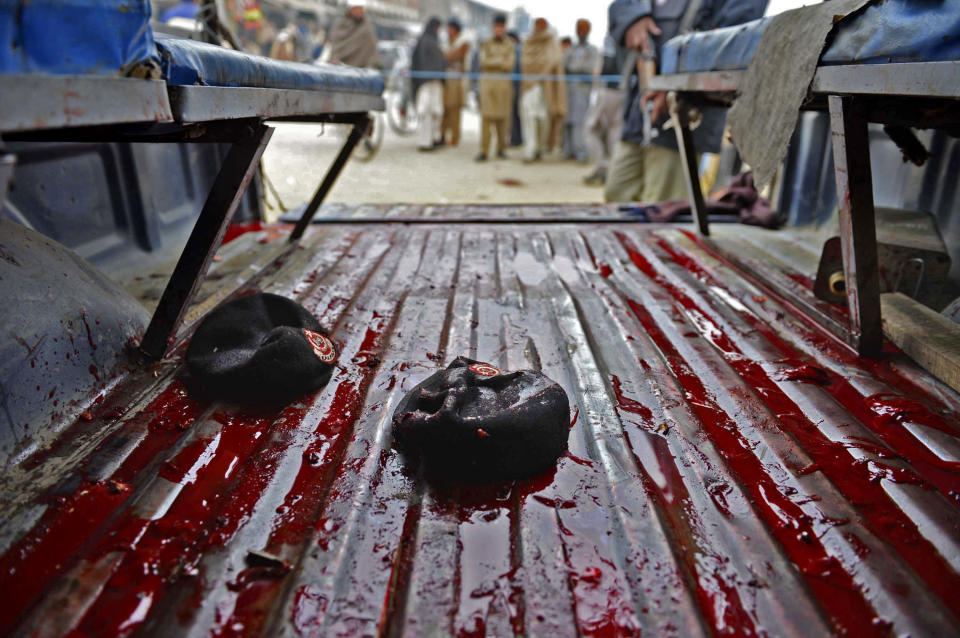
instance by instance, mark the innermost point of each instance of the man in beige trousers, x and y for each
(497, 56)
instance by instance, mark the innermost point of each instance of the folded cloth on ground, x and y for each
(739, 198)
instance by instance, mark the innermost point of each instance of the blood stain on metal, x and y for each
(50, 547)
(806, 373)
(83, 316)
(231, 464)
(632, 406)
(844, 602)
(858, 481)
(301, 508)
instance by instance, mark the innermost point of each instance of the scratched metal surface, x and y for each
(731, 470)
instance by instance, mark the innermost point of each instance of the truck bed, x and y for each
(732, 468)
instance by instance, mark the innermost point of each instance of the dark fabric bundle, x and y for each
(262, 349)
(740, 199)
(475, 422)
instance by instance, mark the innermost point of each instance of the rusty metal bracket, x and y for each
(360, 124)
(7, 164)
(688, 154)
(858, 234)
(231, 183)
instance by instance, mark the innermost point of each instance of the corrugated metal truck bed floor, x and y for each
(731, 469)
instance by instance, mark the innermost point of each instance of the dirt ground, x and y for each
(298, 155)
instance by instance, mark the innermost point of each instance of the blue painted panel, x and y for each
(74, 37)
(898, 31)
(727, 49)
(117, 202)
(887, 31)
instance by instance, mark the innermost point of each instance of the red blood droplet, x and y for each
(591, 575)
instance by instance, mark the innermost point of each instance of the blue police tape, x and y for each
(450, 75)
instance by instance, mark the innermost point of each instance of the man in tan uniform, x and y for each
(496, 94)
(453, 100)
(544, 100)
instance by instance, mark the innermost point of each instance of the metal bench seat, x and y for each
(208, 82)
(882, 33)
(65, 76)
(883, 64)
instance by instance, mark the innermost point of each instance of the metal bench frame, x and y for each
(855, 95)
(106, 109)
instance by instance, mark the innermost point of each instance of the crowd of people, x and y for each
(542, 93)
(549, 94)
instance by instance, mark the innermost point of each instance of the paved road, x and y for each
(299, 154)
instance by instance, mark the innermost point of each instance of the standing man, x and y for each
(557, 103)
(453, 101)
(582, 59)
(604, 117)
(496, 94)
(516, 136)
(428, 60)
(543, 99)
(653, 171)
(352, 39)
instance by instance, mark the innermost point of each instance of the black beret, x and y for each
(261, 349)
(475, 422)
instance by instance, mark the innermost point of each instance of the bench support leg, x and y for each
(231, 183)
(688, 154)
(858, 235)
(7, 164)
(356, 134)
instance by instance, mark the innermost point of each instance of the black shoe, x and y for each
(440, 144)
(501, 155)
(482, 157)
(595, 178)
(426, 149)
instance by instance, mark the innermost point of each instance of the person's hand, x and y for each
(638, 35)
(659, 100)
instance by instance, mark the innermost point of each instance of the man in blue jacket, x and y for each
(651, 170)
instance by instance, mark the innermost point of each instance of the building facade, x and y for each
(475, 16)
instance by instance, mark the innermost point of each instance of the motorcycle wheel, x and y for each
(402, 115)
